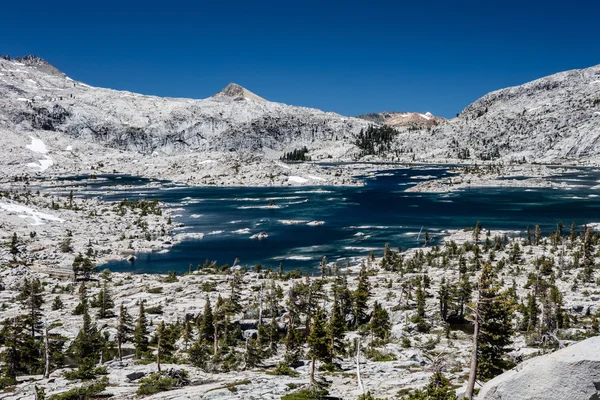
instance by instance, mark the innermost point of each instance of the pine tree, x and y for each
(444, 298)
(186, 333)
(360, 298)
(380, 325)
(477, 233)
(57, 304)
(294, 340)
(303, 299)
(537, 235)
(438, 389)
(86, 347)
(419, 318)
(124, 329)
(199, 353)
(344, 296)
(233, 305)
(495, 311)
(14, 244)
(272, 334)
(105, 303)
(83, 300)
(317, 343)
(13, 341)
(140, 333)
(255, 353)
(323, 267)
(336, 328)
(573, 233)
(207, 325)
(531, 313)
(463, 295)
(32, 299)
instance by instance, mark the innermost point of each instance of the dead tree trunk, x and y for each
(358, 378)
(47, 354)
(119, 354)
(158, 352)
(312, 373)
(473, 369)
(216, 339)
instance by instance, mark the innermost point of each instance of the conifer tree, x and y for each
(419, 318)
(380, 325)
(14, 244)
(438, 389)
(336, 328)
(32, 299)
(186, 333)
(532, 312)
(537, 235)
(207, 323)
(254, 353)
(360, 297)
(273, 334)
(83, 300)
(444, 298)
(140, 333)
(233, 305)
(303, 299)
(323, 267)
(294, 340)
(477, 233)
(318, 345)
(124, 329)
(573, 233)
(105, 303)
(86, 347)
(199, 353)
(12, 357)
(57, 304)
(344, 296)
(495, 310)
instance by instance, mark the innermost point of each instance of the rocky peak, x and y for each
(237, 92)
(35, 62)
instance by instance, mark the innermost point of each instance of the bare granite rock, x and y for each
(572, 373)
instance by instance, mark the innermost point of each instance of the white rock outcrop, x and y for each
(572, 373)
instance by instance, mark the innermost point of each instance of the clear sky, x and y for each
(350, 57)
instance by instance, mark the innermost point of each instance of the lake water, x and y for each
(355, 220)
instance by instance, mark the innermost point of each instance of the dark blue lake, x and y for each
(350, 221)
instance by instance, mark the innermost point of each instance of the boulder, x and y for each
(250, 334)
(134, 376)
(572, 373)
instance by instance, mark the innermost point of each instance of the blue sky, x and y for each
(350, 57)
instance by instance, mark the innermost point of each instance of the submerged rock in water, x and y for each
(572, 373)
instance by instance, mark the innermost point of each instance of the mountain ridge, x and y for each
(553, 118)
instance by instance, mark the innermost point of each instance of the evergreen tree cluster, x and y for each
(375, 140)
(296, 155)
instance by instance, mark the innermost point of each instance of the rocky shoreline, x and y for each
(525, 176)
(58, 228)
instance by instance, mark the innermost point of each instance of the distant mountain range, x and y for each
(550, 119)
(398, 119)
